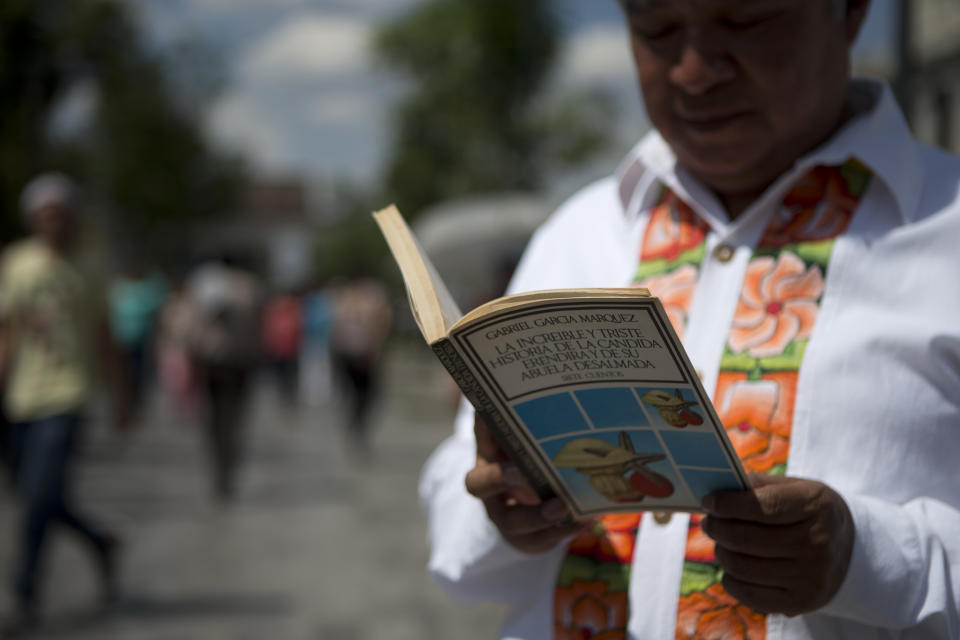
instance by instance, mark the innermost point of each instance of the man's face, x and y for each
(741, 88)
(55, 224)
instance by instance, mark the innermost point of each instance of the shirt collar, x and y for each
(879, 138)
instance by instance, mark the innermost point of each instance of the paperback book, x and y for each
(588, 391)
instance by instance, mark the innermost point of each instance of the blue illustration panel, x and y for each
(671, 407)
(695, 449)
(612, 408)
(551, 416)
(615, 467)
(704, 482)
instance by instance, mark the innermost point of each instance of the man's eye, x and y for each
(746, 22)
(655, 32)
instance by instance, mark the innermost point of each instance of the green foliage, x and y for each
(143, 152)
(477, 120)
(353, 246)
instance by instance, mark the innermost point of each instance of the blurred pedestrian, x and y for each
(54, 327)
(225, 347)
(6, 452)
(174, 364)
(361, 326)
(136, 297)
(282, 335)
(315, 362)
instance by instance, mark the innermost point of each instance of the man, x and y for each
(54, 326)
(361, 326)
(225, 346)
(804, 244)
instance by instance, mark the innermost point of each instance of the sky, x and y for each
(304, 95)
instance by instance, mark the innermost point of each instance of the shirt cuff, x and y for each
(885, 578)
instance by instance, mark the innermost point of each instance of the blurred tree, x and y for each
(142, 150)
(351, 245)
(479, 118)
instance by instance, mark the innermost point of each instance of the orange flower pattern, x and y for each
(757, 382)
(757, 415)
(754, 396)
(672, 229)
(778, 305)
(673, 246)
(819, 207)
(590, 611)
(675, 290)
(712, 614)
(590, 599)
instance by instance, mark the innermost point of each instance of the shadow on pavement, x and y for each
(151, 608)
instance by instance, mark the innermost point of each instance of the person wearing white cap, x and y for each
(52, 331)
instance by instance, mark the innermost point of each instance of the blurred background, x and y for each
(246, 138)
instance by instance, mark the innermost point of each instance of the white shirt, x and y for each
(877, 413)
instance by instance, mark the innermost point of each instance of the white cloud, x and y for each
(344, 108)
(314, 45)
(598, 55)
(306, 98)
(241, 5)
(238, 123)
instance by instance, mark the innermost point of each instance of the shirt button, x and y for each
(662, 517)
(723, 253)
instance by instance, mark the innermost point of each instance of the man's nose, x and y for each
(701, 64)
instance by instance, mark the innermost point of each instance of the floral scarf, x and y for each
(754, 396)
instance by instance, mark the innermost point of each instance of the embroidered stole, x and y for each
(754, 396)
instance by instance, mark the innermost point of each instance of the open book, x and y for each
(589, 391)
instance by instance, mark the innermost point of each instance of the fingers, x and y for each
(493, 475)
(774, 501)
(485, 480)
(546, 539)
(533, 529)
(520, 520)
(761, 598)
(493, 479)
(785, 547)
(778, 573)
(512, 505)
(762, 541)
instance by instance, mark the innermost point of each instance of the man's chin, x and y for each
(721, 167)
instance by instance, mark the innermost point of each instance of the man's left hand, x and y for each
(785, 547)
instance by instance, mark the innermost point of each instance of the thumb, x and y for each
(487, 447)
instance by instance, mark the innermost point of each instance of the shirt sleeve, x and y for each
(468, 556)
(904, 572)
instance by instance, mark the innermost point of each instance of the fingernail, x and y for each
(709, 503)
(554, 510)
(512, 477)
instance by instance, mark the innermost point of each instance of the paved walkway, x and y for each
(314, 547)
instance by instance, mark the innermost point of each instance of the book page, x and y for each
(433, 307)
(448, 306)
(605, 396)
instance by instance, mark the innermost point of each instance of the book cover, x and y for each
(589, 391)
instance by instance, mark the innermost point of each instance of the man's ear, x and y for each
(854, 17)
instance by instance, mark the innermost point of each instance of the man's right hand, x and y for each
(526, 522)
